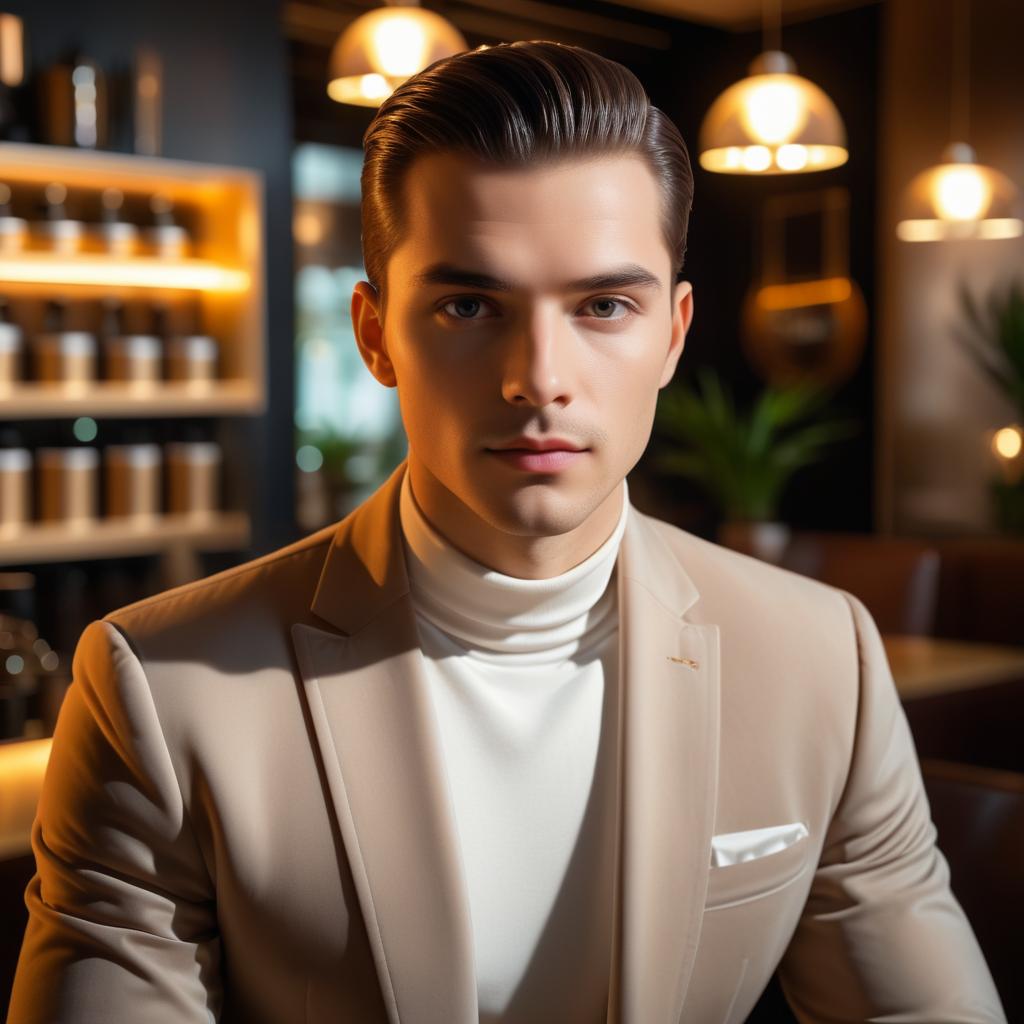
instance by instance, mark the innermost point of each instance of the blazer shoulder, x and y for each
(278, 585)
(722, 572)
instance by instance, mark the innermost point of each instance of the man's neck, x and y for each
(524, 557)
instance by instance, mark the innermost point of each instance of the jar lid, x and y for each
(10, 336)
(171, 236)
(69, 342)
(61, 228)
(118, 229)
(13, 225)
(140, 345)
(195, 346)
(135, 454)
(14, 459)
(194, 451)
(70, 458)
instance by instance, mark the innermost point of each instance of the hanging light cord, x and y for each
(771, 25)
(959, 107)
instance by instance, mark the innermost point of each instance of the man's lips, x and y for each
(533, 460)
(545, 444)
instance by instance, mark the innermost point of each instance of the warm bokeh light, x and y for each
(308, 228)
(961, 193)
(139, 272)
(792, 157)
(382, 48)
(804, 293)
(1008, 442)
(772, 122)
(756, 158)
(959, 198)
(12, 47)
(22, 766)
(772, 111)
(362, 90)
(401, 45)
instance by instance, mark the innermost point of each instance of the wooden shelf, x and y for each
(112, 538)
(119, 400)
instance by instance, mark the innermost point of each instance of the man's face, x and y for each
(491, 334)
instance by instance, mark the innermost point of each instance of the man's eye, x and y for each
(604, 302)
(467, 307)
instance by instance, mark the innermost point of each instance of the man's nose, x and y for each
(538, 363)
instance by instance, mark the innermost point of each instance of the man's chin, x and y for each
(536, 509)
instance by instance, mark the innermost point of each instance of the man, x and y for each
(497, 746)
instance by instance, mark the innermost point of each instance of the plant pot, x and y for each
(760, 538)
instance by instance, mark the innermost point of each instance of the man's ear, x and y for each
(682, 315)
(369, 332)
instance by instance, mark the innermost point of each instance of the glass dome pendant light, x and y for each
(774, 121)
(959, 198)
(384, 47)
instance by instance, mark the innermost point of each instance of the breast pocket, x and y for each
(745, 880)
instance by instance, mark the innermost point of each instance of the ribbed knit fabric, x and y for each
(523, 678)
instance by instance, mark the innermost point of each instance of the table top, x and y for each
(925, 666)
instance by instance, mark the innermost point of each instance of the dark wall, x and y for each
(227, 101)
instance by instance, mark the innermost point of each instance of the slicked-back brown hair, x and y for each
(516, 105)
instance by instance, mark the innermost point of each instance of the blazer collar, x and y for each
(370, 707)
(364, 572)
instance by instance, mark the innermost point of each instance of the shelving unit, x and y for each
(223, 274)
(116, 400)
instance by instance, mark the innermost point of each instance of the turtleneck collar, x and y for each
(487, 611)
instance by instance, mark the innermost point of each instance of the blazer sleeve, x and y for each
(122, 919)
(882, 937)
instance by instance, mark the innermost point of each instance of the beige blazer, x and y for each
(246, 816)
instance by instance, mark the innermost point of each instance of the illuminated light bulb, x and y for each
(792, 157)
(757, 158)
(401, 46)
(772, 111)
(961, 193)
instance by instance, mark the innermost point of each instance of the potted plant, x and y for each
(744, 461)
(993, 337)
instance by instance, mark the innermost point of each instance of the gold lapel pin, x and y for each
(684, 661)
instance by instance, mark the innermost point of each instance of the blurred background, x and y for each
(180, 389)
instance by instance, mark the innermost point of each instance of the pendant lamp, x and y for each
(774, 121)
(959, 198)
(384, 47)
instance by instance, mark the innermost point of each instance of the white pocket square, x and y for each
(736, 847)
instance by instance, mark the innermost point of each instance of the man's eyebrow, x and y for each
(629, 275)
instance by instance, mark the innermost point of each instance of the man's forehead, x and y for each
(589, 222)
(449, 186)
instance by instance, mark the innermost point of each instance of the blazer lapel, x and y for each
(669, 722)
(381, 751)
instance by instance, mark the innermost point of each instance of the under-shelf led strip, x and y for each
(196, 275)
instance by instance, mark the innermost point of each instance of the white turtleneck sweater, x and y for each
(523, 676)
